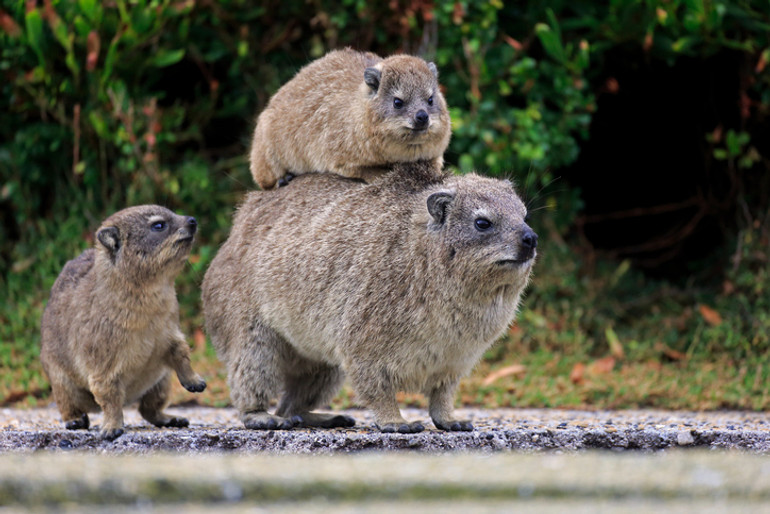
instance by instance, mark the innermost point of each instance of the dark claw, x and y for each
(176, 422)
(78, 424)
(195, 387)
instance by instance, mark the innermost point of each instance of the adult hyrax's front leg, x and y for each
(442, 408)
(178, 359)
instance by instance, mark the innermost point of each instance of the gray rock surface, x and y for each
(500, 429)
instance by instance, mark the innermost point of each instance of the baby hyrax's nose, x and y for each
(529, 239)
(191, 224)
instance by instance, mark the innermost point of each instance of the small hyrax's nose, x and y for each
(529, 239)
(421, 117)
(191, 223)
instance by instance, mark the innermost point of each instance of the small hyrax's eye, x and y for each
(482, 224)
(430, 101)
(398, 103)
(158, 226)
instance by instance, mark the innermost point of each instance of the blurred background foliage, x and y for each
(636, 130)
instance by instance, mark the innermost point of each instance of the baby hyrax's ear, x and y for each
(110, 239)
(433, 69)
(438, 205)
(372, 78)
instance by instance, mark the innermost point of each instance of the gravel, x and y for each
(499, 429)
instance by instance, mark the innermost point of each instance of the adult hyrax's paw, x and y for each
(196, 386)
(454, 425)
(110, 434)
(172, 422)
(402, 428)
(80, 423)
(317, 420)
(265, 421)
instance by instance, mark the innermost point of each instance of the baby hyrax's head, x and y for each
(481, 222)
(406, 98)
(146, 242)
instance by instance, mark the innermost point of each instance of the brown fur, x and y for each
(391, 283)
(110, 331)
(327, 118)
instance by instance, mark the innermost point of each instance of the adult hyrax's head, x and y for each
(481, 224)
(146, 242)
(407, 101)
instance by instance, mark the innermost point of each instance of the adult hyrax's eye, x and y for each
(398, 103)
(430, 101)
(158, 226)
(482, 224)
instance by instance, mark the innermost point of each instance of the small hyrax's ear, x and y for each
(433, 69)
(372, 78)
(438, 204)
(110, 238)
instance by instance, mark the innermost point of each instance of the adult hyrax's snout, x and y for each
(527, 244)
(188, 228)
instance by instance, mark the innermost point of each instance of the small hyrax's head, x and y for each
(405, 93)
(482, 227)
(147, 241)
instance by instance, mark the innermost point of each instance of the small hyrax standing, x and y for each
(110, 331)
(351, 113)
(401, 284)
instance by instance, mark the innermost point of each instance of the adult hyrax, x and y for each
(351, 113)
(110, 331)
(401, 284)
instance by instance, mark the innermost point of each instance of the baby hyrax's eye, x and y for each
(482, 224)
(398, 103)
(158, 226)
(430, 100)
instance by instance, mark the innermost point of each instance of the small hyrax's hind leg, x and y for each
(308, 385)
(71, 406)
(153, 402)
(254, 376)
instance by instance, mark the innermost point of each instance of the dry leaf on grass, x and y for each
(711, 316)
(513, 369)
(576, 375)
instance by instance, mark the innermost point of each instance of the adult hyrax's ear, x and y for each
(438, 205)
(372, 78)
(110, 238)
(433, 69)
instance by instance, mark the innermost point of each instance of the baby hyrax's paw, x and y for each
(110, 434)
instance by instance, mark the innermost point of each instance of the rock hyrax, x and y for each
(351, 113)
(401, 284)
(110, 331)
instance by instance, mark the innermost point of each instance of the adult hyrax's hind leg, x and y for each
(307, 386)
(255, 376)
(442, 398)
(153, 402)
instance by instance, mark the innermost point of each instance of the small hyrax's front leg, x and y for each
(110, 396)
(178, 359)
(442, 408)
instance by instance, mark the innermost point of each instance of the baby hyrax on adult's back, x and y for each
(351, 113)
(110, 331)
(401, 284)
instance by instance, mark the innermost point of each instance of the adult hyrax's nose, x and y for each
(421, 118)
(528, 239)
(191, 224)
